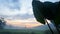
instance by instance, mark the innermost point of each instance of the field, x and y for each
(21, 31)
(24, 31)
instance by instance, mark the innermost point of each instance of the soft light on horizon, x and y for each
(23, 23)
(19, 12)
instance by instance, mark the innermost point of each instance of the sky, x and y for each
(18, 10)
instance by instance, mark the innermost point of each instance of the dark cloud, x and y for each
(25, 16)
(11, 9)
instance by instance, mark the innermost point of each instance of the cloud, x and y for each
(26, 7)
(8, 7)
(19, 9)
(50, 0)
(13, 7)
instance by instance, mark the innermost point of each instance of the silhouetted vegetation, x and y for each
(47, 10)
(2, 23)
(17, 31)
(49, 32)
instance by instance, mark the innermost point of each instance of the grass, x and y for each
(24, 31)
(21, 31)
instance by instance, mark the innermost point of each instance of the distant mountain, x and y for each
(13, 27)
(43, 27)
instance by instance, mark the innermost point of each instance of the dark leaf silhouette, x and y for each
(37, 8)
(47, 10)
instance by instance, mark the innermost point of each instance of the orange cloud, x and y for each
(24, 23)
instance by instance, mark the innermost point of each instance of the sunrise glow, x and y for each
(23, 23)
